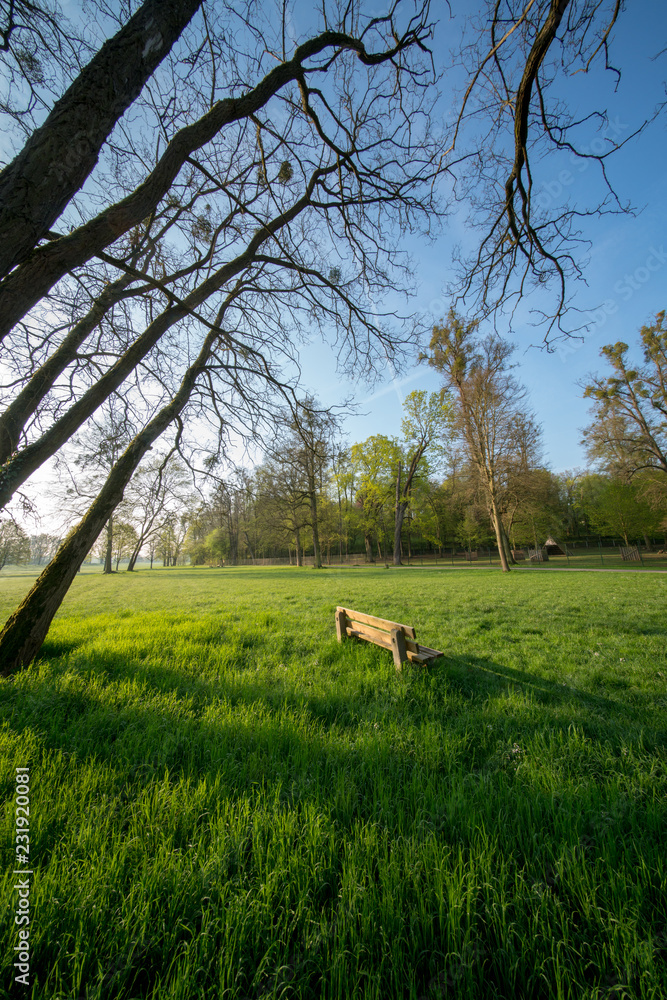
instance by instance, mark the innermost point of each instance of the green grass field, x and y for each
(226, 803)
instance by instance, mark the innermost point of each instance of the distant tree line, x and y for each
(465, 473)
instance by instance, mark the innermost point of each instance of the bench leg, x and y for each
(340, 625)
(398, 648)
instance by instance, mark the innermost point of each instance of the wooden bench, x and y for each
(400, 639)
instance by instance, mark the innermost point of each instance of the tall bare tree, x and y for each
(301, 450)
(490, 410)
(282, 503)
(159, 491)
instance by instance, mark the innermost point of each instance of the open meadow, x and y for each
(227, 803)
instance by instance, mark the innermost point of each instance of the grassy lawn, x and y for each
(226, 803)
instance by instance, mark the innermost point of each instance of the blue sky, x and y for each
(626, 273)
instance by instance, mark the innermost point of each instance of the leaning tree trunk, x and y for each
(28, 283)
(21, 466)
(135, 555)
(25, 631)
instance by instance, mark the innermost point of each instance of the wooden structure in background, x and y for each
(400, 639)
(553, 547)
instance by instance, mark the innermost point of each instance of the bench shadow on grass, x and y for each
(479, 677)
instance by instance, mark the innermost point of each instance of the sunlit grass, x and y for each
(227, 803)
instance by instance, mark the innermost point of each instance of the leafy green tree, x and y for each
(428, 420)
(628, 433)
(572, 514)
(438, 509)
(375, 462)
(217, 545)
(537, 511)
(14, 544)
(618, 509)
(470, 531)
(343, 490)
(194, 544)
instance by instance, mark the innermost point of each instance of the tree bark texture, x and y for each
(58, 157)
(500, 537)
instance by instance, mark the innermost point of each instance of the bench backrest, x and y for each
(378, 629)
(400, 639)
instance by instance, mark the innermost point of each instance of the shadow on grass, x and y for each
(462, 695)
(53, 648)
(477, 679)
